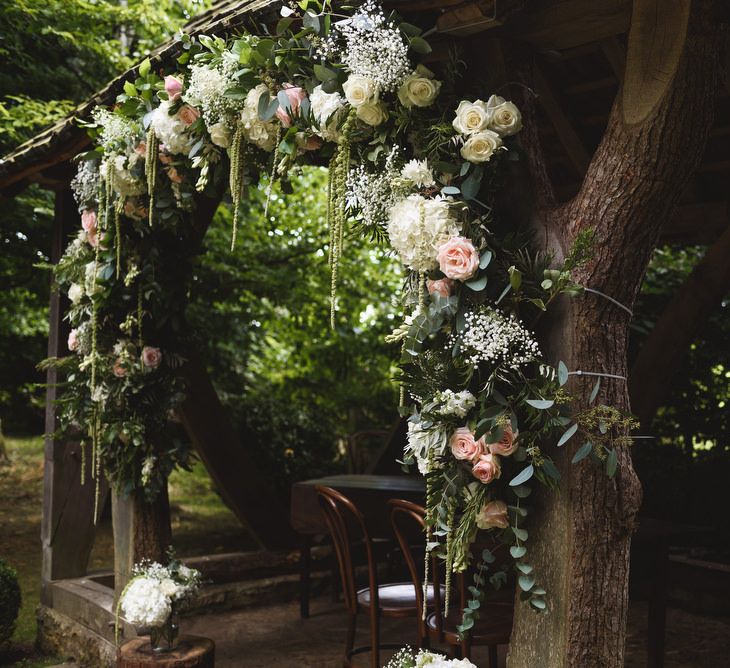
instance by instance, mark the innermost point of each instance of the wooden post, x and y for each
(67, 528)
(141, 531)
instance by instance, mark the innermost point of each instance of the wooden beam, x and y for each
(676, 328)
(656, 43)
(469, 18)
(616, 57)
(697, 224)
(570, 23)
(568, 137)
(67, 527)
(231, 464)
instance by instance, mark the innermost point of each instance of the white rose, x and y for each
(505, 118)
(471, 117)
(418, 173)
(359, 90)
(372, 113)
(327, 110)
(168, 587)
(419, 88)
(258, 132)
(75, 293)
(220, 135)
(481, 147)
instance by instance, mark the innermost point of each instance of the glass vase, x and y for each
(165, 638)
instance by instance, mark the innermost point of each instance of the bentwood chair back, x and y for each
(348, 531)
(494, 626)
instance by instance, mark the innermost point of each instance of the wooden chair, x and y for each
(494, 626)
(348, 530)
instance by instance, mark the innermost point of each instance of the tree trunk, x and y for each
(580, 536)
(141, 531)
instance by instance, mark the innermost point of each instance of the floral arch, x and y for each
(411, 163)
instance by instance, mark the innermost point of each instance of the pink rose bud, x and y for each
(188, 114)
(173, 87)
(151, 357)
(118, 369)
(73, 340)
(493, 515)
(295, 96)
(506, 445)
(463, 446)
(487, 468)
(458, 258)
(442, 287)
(88, 220)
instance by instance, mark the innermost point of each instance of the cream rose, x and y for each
(188, 114)
(471, 117)
(487, 468)
(419, 88)
(360, 90)
(372, 113)
(151, 357)
(481, 147)
(463, 446)
(442, 286)
(505, 118)
(493, 515)
(458, 258)
(506, 445)
(220, 135)
(75, 293)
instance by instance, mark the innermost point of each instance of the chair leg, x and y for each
(351, 628)
(305, 567)
(374, 637)
(493, 658)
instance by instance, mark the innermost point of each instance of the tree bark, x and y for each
(580, 536)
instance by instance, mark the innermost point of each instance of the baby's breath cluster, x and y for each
(206, 91)
(370, 46)
(85, 184)
(370, 195)
(115, 130)
(489, 337)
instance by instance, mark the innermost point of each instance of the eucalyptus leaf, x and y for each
(450, 190)
(518, 551)
(522, 476)
(504, 294)
(420, 45)
(562, 373)
(485, 259)
(540, 404)
(611, 463)
(526, 582)
(477, 284)
(524, 568)
(582, 452)
(521, 491)
(567, 435)
(594, 392)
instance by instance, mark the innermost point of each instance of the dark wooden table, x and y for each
(370, 493)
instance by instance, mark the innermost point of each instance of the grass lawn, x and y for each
(201, 524)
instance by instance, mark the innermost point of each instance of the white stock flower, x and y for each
(480, 147)
(455, 403)
(76, 293)
(418, 173)
(220, 135)
(419, 88)
(422, 441)
(505, 118)
(471, 117)
(144, 603)
(258, 132)
(327, 110)
(417, 227)
(360, 90)
(170, 130)
(372, 114)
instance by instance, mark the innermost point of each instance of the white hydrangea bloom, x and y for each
(258, 132)
(422, 441)
(418, 173)
(125, 183)
(145, 604)
(417, 227)
(170, 130)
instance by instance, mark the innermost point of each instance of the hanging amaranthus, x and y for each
(236, 155)
(274, 169)
(152, 148)
(336, 207)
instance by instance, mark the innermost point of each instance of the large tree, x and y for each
(654, 141)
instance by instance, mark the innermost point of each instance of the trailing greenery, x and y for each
(9, 601)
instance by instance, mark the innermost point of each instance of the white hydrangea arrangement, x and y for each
(407, 658)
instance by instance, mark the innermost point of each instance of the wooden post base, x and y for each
(191, 652)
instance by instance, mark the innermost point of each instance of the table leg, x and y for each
(305, 566)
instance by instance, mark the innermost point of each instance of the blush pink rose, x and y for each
(493, 515)
(458, 258)
(73, 340)
(463, 446)
(188, 114)
(506, 445)
(174, 175)
(487, 468)
(173, 87)
(442, 286)
(118, 369)
(295, 96)
(88, 220)
(151, 357)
